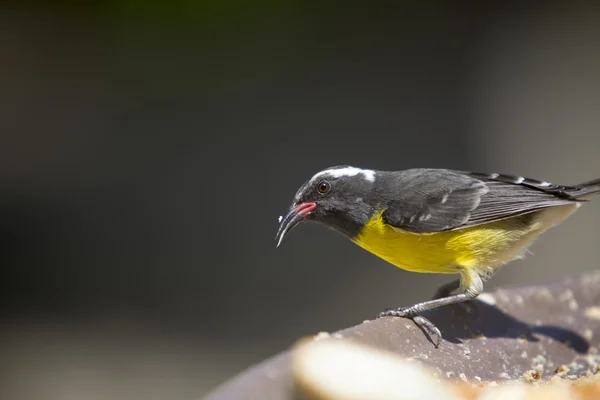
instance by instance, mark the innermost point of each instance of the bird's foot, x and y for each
(423, 323)
(402, 312)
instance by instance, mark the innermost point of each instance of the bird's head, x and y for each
(337, 197)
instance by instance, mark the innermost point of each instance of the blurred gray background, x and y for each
(147, 150)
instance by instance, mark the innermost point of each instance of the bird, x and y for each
(432, 220)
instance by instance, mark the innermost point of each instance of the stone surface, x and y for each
(506, 335)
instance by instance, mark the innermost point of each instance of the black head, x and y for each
(337, 197)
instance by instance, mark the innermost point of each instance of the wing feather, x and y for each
(439, 200)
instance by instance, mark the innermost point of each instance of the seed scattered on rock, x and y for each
(562, 370)
(532, 376)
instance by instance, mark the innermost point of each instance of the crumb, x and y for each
(562, 370)
(532, 376)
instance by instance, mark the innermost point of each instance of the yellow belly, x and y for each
(484, 247)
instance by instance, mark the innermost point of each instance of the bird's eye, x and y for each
(323, 187)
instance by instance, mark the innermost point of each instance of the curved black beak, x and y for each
(296, 215)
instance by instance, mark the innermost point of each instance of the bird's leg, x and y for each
(474, 287)
(446, 289)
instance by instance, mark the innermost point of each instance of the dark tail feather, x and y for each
(588, 188)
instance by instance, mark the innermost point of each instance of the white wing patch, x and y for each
(346, 171)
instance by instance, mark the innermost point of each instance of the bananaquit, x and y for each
(436, 221)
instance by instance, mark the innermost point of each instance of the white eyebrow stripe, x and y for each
(346, 171)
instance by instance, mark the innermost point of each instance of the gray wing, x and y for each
(440, 200)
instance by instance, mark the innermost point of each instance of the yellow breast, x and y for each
(485, 246)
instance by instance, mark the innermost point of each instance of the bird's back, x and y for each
(444, 221)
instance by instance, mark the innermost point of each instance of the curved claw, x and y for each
(423, 323)
(434, 333)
